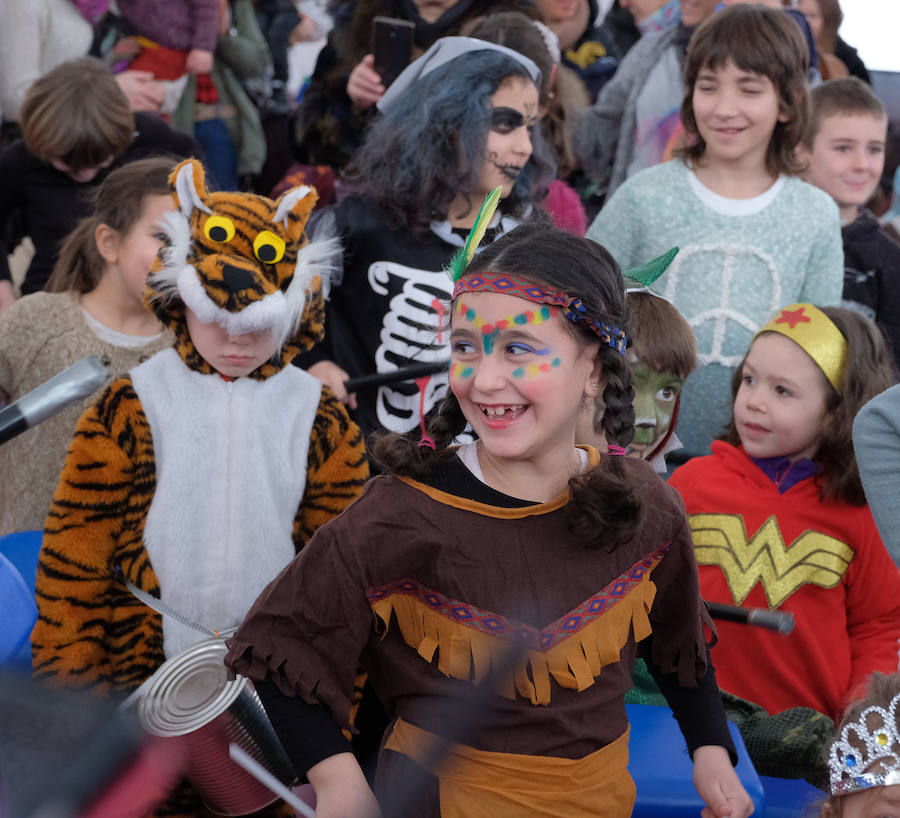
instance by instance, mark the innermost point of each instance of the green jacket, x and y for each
(239, 55)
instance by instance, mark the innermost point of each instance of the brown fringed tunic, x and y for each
(428, 591)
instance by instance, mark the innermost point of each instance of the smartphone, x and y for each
(392, 43)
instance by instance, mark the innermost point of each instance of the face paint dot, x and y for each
(521, 319)
(518, 373)
(544, 367)
(502, 324)
(488, 329)
(556, 362)
(470, 315)
(467, 372)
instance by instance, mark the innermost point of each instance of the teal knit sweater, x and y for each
(740, 260)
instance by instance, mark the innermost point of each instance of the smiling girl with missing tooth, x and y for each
(458, 122)
(537, 567)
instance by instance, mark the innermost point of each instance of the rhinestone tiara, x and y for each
(867, 754)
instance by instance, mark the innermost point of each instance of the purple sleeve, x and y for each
(204, 24)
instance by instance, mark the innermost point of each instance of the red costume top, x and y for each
(821, 560)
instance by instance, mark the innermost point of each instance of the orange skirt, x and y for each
(479, 784)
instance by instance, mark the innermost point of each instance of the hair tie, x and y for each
(427, 442)
(615, 451)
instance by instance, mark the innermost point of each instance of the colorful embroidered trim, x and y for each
(540, 640)
(572, 308)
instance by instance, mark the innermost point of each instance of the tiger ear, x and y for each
(188, 185)
(293, 208)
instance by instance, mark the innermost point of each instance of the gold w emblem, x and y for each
(812, 559)
(586, 54)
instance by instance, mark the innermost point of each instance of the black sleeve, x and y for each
(307, 732)
(13, 163)
(698, 710)
(154, 137)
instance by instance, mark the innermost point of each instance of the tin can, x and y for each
(191, 697)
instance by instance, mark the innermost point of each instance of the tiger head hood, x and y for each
(244, 262)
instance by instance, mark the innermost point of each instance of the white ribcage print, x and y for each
(415, 330)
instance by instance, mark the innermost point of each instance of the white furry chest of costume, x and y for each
(231, 463)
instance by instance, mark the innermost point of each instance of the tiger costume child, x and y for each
(196, 487)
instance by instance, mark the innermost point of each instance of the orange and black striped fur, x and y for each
(91, 632)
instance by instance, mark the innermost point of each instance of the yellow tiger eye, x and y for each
(219, 229)
(268, 247)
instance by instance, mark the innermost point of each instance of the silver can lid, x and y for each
(189, 690)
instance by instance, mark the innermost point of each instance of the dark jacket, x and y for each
(52, 202)
(326, 129)
(872, 275)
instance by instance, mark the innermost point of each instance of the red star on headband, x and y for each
(793, 317)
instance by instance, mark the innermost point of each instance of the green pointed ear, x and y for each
(461, 260)
(647, 273)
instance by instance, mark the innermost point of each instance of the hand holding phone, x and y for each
(364, 86)
(392, 43)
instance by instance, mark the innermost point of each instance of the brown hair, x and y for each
(868, 371)
(605, 508)
(880, 692)
(762, 41)
(118, 203)
(661, 337)
(78, 114)
(847, 96)
(562, 94)
(832, 17)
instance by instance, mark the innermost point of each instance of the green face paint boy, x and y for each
(655, 398)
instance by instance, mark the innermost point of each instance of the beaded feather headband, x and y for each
(867, 754)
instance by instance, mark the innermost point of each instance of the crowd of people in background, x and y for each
(406, 366)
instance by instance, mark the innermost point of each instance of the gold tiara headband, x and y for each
(815, 333)
(867, 754)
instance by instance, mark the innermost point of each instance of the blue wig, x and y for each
(429, 147)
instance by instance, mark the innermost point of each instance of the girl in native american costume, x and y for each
(499, 592)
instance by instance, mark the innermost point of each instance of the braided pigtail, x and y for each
(605, 509)
(413, 455)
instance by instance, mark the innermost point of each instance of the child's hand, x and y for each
(718, 785)
(7, 296)
(199, 61)
(341, 789)
(333, 377)
(364, 86)
(143, 92)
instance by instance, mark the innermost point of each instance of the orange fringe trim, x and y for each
(470, 655)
